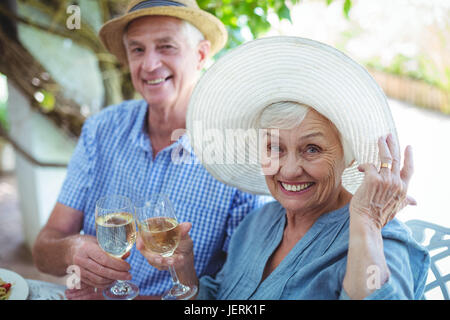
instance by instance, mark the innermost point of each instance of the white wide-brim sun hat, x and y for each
(233, 92)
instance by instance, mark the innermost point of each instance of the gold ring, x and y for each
(386, 165)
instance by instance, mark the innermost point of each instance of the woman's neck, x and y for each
(298, 223)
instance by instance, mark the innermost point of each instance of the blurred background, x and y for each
(54, 73)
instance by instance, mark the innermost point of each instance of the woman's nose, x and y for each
(291, 167)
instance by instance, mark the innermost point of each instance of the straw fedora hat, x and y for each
(232, 93)
(111, 33)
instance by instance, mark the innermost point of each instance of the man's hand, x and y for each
(97, 268)
(85, 293)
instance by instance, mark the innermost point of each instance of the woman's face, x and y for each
(310, 165)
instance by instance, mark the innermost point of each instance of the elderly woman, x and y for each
(329, 156)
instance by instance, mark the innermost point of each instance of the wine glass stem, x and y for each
(174, 275)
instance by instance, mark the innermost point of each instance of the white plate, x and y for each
(19, 288)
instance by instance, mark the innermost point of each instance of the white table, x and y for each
(43, 290)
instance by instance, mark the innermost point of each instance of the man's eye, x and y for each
(137, 50)
(166, 47)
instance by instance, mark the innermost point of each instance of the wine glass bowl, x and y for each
(160, 235)
(160, 232)
(116, 234)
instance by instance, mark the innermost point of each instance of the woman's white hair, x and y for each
(290, 114)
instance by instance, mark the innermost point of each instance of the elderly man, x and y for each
(128, 149)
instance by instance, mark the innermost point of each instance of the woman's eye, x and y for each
(312, 149)
(274, 148)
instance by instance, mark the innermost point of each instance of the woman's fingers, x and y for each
(385, 157)
(162, 263)
(394, 151)
(410, 201)
(408, 166)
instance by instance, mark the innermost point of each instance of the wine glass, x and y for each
(116, 234)
(160, 233)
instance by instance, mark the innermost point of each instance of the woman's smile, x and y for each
(292, 188)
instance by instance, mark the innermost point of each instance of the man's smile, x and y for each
(156, 81)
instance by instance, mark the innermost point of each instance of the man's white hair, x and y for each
(193, 35)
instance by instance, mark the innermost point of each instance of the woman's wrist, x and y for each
(186, 270)
(367, 269)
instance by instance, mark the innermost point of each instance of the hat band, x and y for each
(156, 3)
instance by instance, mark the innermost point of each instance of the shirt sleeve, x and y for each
(408, 266)
(243, 203)
(208, 288)
(79, 171)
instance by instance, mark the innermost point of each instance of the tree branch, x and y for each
(28, 156)
(30, 77)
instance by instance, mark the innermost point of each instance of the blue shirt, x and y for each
(114, 156)
(315, 267)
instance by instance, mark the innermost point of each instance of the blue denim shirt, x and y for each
(315, 267)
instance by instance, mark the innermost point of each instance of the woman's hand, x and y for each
(179, 257)
(383, 193)
(182, 259)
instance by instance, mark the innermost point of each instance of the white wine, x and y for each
(116, 233)
(160, 235)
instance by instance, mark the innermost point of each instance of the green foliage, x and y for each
(47, 103)
(420, 68)
(346, 8)
(247, 19)
(3, 108)
(4, 115)
(244, 18)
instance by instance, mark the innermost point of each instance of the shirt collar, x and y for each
(142, 140)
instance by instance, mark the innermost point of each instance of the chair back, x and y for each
(436, 239)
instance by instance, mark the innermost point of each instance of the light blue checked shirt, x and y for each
(114, 156)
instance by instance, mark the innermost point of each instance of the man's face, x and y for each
(164, 64)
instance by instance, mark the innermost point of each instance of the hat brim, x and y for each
(111, 33)
(235, 90)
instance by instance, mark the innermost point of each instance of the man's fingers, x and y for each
(86, 292)
(107, 261)
(99, 274)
